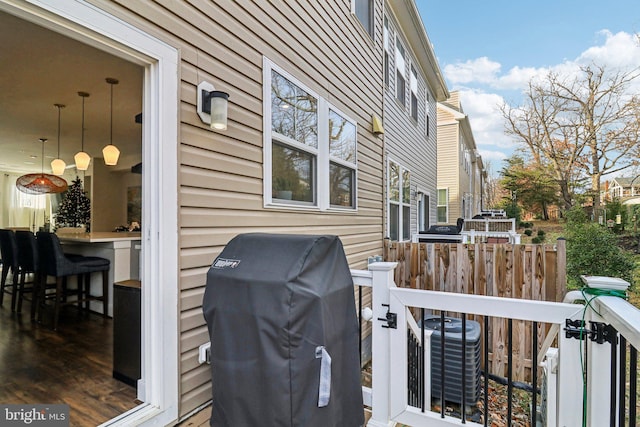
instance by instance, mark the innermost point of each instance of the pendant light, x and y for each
(58, 165)
(110, 152)
(81, 158)
(41, 183)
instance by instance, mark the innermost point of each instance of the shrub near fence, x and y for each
(536, 272)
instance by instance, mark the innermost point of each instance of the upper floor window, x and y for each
(310, 147)
(400, 73)
(363, 9)
(387, 48)
(413, 86)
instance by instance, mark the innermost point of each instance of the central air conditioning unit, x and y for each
(454, 359)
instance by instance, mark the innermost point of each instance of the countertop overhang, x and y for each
(99, 236)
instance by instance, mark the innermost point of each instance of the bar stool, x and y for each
(9, 250)
(54, 262)
(27, 264)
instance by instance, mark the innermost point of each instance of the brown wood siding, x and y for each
(220, 174)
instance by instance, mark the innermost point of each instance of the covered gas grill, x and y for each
(441, 234)
(284, 334)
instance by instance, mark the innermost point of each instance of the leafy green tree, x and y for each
(615, 208)
(531, 184)
(593, 250)
(75, 208)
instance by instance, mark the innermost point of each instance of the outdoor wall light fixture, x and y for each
(212, 106)
(376, 124)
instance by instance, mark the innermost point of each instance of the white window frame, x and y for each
(423, 209)
(427, 109)
(386, 36)
(323, 158)
(158, 388)
(401, 203)
(401, 69)
(413, 92)
(371, 6)
(446, 205)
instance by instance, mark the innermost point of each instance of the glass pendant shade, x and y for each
(82, 160)
(58, 166)
(110, 153)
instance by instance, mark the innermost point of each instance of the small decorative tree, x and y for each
(75, 207)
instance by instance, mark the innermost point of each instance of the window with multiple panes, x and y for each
(443, 205)
(413, 86)
(310, 147)
(399, 196)
(385, 39)
(363, 9)
(400, 70)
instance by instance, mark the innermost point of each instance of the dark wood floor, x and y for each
(72, 366)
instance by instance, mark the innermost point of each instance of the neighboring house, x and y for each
(624, 189)
(413, 84)
(460, 168)
(298, 156)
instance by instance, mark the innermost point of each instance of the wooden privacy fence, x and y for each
(536, 272)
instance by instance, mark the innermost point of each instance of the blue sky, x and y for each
(489, 50)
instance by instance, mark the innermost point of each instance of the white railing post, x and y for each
(380, 350)
(569, 394)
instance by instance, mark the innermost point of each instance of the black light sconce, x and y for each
(212, 106)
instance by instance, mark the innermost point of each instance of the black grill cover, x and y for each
(271, 303)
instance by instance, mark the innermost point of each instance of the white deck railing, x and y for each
(564, 388)
(563, 378)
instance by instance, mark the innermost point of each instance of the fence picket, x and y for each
(520, 271)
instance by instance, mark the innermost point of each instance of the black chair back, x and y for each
(51, 256)
(9, 249)
(28, 259)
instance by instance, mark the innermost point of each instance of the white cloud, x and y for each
(480, 70)
(517, 78)
(485, 118)
(493, 157)
(483, 86)
(618, 50)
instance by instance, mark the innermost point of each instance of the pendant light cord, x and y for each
(60, 107)
(111, 117)
(82, 139)
(42, 159)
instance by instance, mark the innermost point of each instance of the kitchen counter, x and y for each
(99, 236)
(121, 249)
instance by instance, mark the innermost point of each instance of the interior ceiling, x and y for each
(40, 68)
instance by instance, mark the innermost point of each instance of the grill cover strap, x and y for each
(324, 388)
